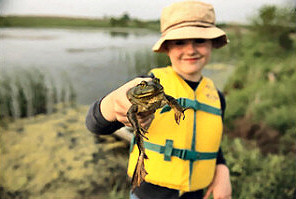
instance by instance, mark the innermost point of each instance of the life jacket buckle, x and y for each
(168, 150)
(183, 154)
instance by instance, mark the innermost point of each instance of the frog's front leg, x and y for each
(132, 117)
(179, 110)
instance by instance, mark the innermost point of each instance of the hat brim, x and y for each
(193, 32)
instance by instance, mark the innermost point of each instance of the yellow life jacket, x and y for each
(183, 156)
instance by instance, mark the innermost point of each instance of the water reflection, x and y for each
(119, 34)
(95, 60)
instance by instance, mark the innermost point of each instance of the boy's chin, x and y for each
(192, 69)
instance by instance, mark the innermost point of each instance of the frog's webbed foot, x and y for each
(178, 116)
(140, 172)
(179, 110)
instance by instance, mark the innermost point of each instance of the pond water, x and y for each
(95, 60)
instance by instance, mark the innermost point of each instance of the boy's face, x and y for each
(189, 56)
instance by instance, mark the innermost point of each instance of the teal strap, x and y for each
(195, 105)
(184, 154)
(132, 144)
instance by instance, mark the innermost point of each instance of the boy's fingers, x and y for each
(208, 193)
(127, 124)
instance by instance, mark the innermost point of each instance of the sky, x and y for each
(236, 11)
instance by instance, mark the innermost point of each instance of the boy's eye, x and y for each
(199, 41)
(179, 42)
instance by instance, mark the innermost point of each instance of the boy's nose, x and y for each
(191, 47)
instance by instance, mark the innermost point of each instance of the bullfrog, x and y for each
(147, 97)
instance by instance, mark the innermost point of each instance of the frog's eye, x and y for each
(143, 84)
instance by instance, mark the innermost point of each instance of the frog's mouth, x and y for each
(149, 93)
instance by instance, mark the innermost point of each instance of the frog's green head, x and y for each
(147, 89)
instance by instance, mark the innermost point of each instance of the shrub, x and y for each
(256, 176)
(262, 86)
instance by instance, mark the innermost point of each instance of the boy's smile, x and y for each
(189, 56)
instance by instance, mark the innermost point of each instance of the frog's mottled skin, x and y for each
(146, 97)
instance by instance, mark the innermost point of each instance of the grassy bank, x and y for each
(66, 22)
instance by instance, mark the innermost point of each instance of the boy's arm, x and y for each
(97, 124)
(220, 157)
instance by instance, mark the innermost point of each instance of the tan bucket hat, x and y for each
(189, 20)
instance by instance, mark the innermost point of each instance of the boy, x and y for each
(188, 36)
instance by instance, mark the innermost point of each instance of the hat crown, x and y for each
(187, 11)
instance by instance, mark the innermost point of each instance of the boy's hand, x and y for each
(220, 186)
(115, 105)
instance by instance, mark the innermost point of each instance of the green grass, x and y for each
(32, 21)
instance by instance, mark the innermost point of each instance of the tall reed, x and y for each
(28, 92)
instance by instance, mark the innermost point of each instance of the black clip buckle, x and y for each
(183, 154)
